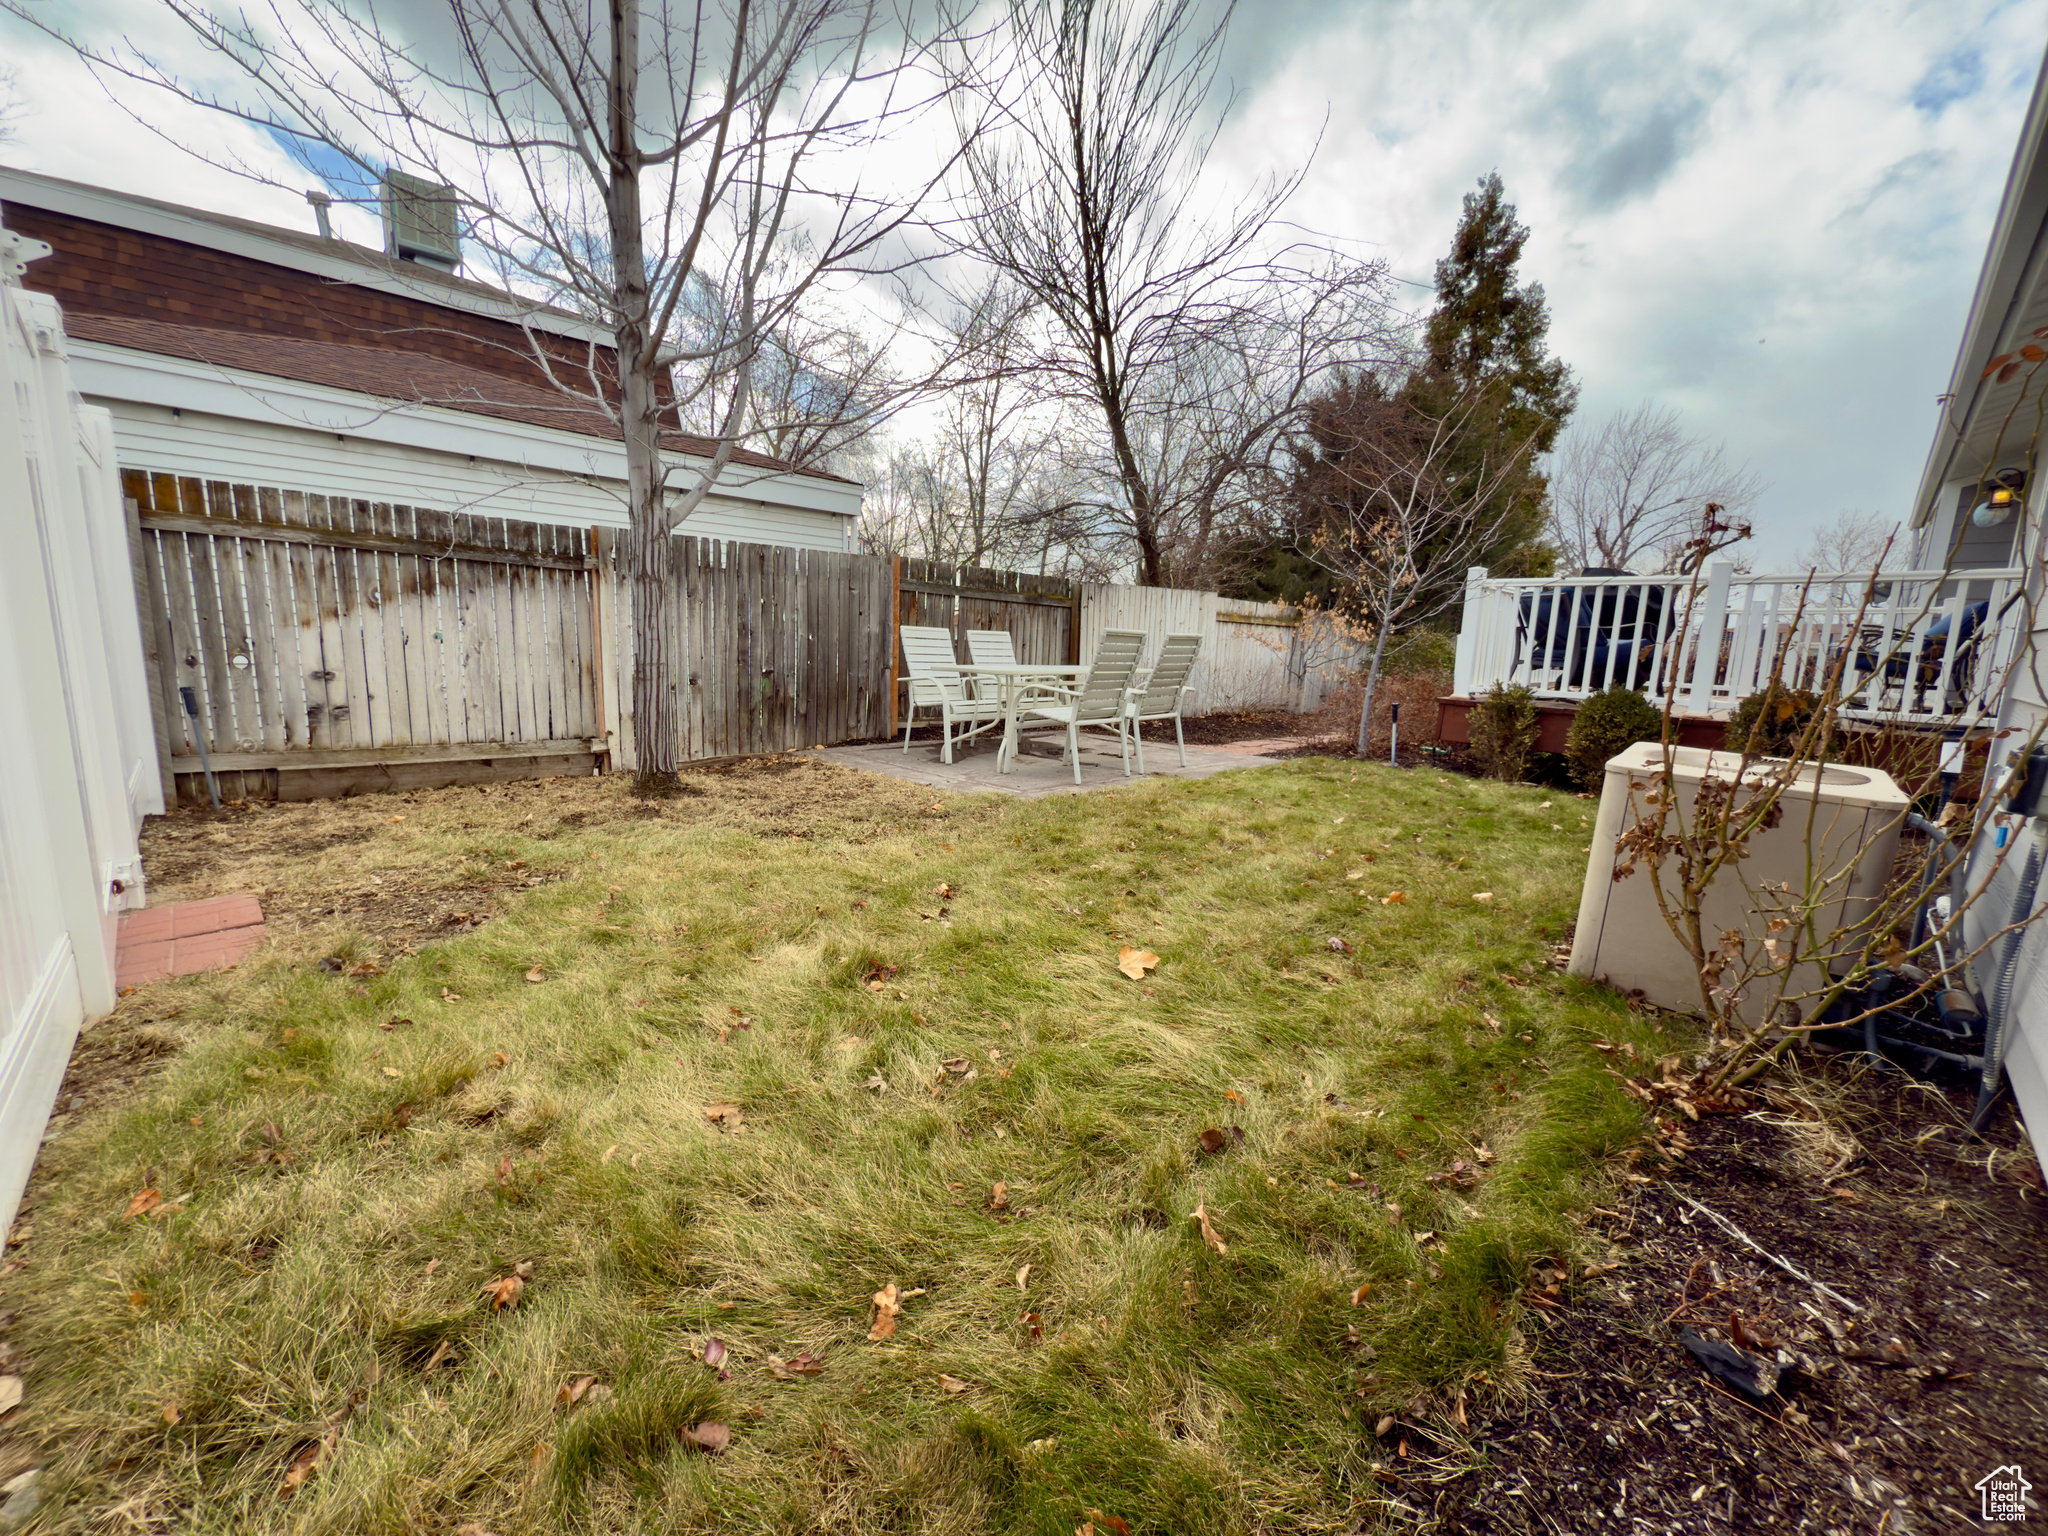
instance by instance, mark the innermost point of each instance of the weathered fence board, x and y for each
(326, 632)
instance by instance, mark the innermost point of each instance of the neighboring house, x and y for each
(233, 351)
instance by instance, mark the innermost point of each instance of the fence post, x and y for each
(895, 619)
(152, 640)
(1471, 621)
(1710, 617)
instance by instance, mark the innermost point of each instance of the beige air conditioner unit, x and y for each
(421, 221)
(1839, 829)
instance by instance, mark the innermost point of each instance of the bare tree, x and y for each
(13, 107)
(1398, 508)
(1188, 348)
(1856, 543)
(688, 178)
(1639, 486)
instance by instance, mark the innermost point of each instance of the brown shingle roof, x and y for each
(408, 378)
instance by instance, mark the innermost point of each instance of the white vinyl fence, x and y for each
(78, 766)
(1255, 656)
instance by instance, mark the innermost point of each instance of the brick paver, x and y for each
(186, 937)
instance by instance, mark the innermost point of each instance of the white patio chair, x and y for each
(1102, 699)
(1160, 696)
(989, 648)
(935, 683)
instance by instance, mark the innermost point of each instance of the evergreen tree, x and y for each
(1489, 333)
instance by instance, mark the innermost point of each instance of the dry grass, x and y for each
(905, 1001)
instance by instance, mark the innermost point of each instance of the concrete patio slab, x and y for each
(1038, 771)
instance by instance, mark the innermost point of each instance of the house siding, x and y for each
(256, 453)
(100, 269)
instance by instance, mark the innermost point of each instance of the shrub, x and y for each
(1504, 729)
(1606, 724)
(1770, 721)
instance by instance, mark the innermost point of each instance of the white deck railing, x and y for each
(1568, 637)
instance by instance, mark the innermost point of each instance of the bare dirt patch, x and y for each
(402, 870)
(1888, 1416)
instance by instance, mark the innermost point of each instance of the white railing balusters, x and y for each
(1569, 637)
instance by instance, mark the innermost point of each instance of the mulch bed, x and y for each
(1886, 1417)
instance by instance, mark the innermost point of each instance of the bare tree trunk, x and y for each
(1372, 684)
(655, 738)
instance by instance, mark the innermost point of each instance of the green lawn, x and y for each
(957, 1094)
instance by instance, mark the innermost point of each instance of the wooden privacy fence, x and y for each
(332, 644)
(1038, 611)
(781, 648)
(326, 635)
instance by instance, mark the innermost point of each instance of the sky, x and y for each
(1769, 216)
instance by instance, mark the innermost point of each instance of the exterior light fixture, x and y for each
(1995, 508)
(2001, 498)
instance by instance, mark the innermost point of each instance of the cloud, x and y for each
(1768, 213)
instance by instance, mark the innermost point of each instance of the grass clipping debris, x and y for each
(921, 1168)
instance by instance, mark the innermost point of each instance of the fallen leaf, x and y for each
(1134, 963)
(391, 1072)
(450, 997)
(608, 1151)
(1393, 896)
(1023, 1275)
(441, 1353)
(953, 1384)
(1213, 1141)
(1233, 1095)
(711, 1439)
(1380, 1429)
(727, 1115)
(1201, 1214)
(504, 1293)
(304, 1465)
(805, 1364)
(571, 1392)
(536, 975)
(1492, 1023)
(1358, 1296)
(1338, 946)
(999, 1197)
(887, 1307)
(1482, 895)
(144, 1203)
(1110, 1522)
(1033, 1325)
(474, 1528)
(500, 1059)
(876, 1082)
(10, 1393)
(714, 1352)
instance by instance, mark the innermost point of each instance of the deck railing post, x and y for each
(1473, 625)
(1710, 625)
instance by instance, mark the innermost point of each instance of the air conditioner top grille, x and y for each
(421, 219)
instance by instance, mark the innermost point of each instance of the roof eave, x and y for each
(2010, 261)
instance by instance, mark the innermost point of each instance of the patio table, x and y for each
(1015, 683)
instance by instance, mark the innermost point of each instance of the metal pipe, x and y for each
(191, 703)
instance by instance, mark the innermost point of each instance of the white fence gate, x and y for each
(78, 767)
